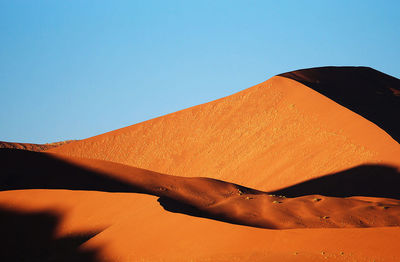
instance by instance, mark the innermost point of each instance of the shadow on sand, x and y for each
(23, 169)
(28, 236)
(365, 180)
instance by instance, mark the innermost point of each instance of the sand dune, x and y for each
(269, 136)
(298, 168)
(197, 196)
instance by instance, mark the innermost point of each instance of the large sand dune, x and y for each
(269, 136)
(298, 168)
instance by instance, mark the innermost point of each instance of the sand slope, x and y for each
(98, 226)
(277, 133)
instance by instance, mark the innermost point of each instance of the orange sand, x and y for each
(134, 227)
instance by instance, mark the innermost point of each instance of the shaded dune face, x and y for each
(365, 180)
(205, 197)
(367, 92)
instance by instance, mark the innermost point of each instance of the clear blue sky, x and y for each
(75, 69)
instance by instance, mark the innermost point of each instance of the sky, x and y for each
(76, 69)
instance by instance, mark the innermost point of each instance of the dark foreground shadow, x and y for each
(21, 169)
(365, 180)
(367, 92)
(174, 206)
(30, 237)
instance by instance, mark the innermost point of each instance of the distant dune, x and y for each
(302, 167)
(33, 147)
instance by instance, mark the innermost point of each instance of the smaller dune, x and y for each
(196, 196)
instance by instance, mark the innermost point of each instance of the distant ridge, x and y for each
(33, 147)
(364, 90)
